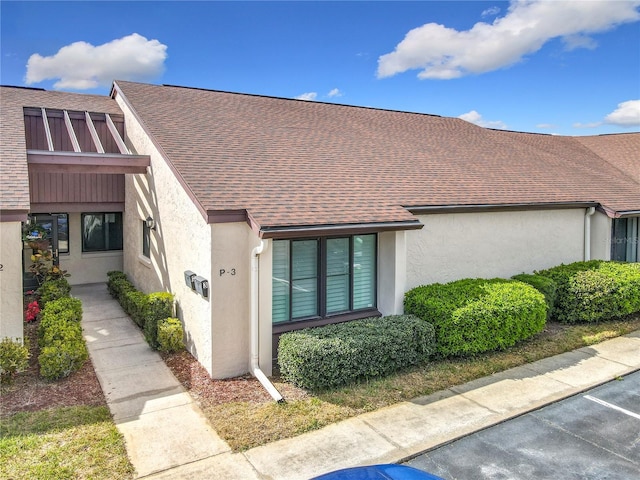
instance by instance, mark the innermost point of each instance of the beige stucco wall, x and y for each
(11, 280)
(230, 283)
(392, 272)
(88, 267)
(492, 244)
(600, 237)
(181, 241)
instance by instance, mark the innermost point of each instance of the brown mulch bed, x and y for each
(29, 392)
(208, 392)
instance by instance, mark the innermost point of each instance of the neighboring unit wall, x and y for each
(600, 237)
(86, 267)
(11, 320)
(230, 281)
(392, 272)
(181, 241)
(492, 244)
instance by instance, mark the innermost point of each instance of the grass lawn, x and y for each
(63, 443)
(248, 424)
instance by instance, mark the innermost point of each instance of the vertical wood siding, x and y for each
(76, 187)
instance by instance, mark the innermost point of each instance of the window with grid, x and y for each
(321, 277)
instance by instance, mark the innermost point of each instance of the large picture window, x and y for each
(317, 278)
(101, 232)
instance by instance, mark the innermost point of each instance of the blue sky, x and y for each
(565, 67)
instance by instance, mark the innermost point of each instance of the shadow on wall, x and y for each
(149, 204)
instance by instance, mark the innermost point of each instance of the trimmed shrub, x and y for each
(545, 285)
(333, 355)
(52, 290)
(136, 304)
(14, 358)
(170, 335)
(65, 304)
(62, 347)
(472, 316)
(159, 307)
(60, 359)
(118, 284)
(595, 290)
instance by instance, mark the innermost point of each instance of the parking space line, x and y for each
(612, 406)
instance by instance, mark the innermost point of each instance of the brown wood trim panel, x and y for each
(77, 207)
(13, 215)
(326, 230)
(83, 162)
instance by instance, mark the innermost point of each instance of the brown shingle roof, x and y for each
(14, 186)
(295, 163)
(620, 150)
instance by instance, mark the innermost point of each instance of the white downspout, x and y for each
(587, 233)
(255, 338)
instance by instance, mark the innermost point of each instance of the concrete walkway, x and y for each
(168, 438)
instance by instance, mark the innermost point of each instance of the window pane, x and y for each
(280, 282)
(337, 293)
(364, 271)
(305, 259)
(145, 240)
(63, 232)
(114, 223)
(93, 232)
(304, 300)
(338, 275)
(304, 278)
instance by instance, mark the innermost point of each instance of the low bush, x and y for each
(136, 304)
(333, 355)
(61, 358)
(62, 347)
(471, 316)
(159, 308)
(170, 335)
(145, 310)
(545, 285)
(595, 290)
(14, 358)
(52, 290)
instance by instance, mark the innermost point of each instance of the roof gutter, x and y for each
(461, 208)
(350, 228)
(254, 364)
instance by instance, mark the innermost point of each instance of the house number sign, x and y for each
(231, 272)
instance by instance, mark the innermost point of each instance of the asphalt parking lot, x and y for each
(594, 435)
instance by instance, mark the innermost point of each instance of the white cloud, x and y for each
(334, 93)
(545, 125)
(81, 66)
(476, 118)
(587, 125)
(444, 53)
(307, 96)
(626, 115)
(490, 12)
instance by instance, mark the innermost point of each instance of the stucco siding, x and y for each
(600, 237)
(11, 280)
(492, 244)
(181, 241)
(230, 281)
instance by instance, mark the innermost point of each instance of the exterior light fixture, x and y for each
(151, 223)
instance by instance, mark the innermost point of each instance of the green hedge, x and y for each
(333, 355)
(62, 346)
(545, 285)
(170, 335)
(471, 316)
(14, 358)
(52, 290)
(146, 310)
(595, 290)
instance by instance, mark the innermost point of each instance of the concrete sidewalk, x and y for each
(168, 438)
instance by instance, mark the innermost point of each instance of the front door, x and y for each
(50, 224)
